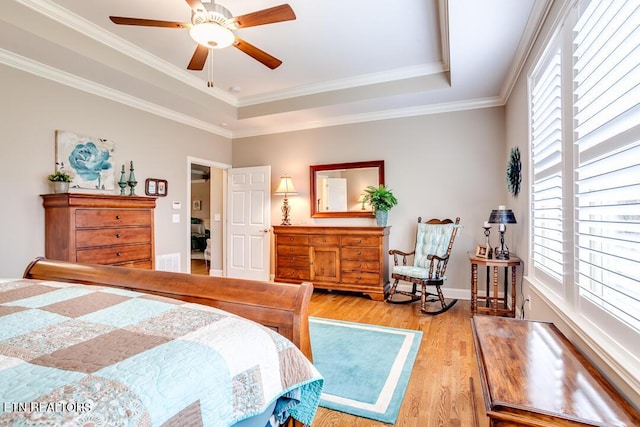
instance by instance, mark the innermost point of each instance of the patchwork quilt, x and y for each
(73, 354)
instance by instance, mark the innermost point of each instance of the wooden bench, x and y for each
(532, 375)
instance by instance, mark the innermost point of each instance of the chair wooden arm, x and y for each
(396, 252)
(439, 263)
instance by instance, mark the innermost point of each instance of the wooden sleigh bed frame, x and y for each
(280, 306)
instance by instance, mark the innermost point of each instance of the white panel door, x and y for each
(337, 194)
(249, 214)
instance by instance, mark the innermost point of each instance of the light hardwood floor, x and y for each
(438, 393)
(198, 267)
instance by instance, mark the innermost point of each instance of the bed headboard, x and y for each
(281, 306)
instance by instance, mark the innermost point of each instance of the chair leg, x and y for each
(444, 305)
(393, 289)
(413, 296)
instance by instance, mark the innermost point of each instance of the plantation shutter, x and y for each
(607, 131)
(546, 155)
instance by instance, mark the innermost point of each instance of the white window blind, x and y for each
(607, 130)
(546, 155)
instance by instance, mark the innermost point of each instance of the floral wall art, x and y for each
(89, 160)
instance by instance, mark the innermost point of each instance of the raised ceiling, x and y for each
(343, 61)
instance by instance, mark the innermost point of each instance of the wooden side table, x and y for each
(496, 305)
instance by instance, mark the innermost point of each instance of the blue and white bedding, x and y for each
(72, 354)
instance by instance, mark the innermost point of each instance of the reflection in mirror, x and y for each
(337, 189)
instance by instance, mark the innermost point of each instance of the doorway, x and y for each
(206, 217)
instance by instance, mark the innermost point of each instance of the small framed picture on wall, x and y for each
(163, 187)
(151, 187)
(155, 187)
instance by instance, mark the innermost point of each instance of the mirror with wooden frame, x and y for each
(336, 190)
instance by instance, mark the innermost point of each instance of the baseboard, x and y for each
(463, 294)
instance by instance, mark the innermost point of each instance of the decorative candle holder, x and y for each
(123, 182)
(132, 181)
(487, 232)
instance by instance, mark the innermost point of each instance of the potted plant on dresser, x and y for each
(60, 181)
(381, 200)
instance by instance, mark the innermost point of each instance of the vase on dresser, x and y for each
(381, 218)
(60, 186)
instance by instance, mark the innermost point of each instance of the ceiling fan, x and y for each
(212, 28)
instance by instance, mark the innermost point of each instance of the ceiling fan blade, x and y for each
(120, 20)
(196, 5)
(257, 54)
(265, 16)
(199, 58)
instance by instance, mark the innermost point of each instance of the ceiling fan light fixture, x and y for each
(212, 35)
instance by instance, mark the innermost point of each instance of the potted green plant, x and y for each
(381, 200)
(60, 181)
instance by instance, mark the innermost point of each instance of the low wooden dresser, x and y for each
(340, 258)
(100, 229)
(533, 376)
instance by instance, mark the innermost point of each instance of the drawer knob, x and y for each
(117, 216)
(359, 265)
(117, 235)
(291, 239)
(359, 252)
(359, 241)
(117, 253)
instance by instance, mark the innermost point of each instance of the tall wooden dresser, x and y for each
(341, 258)
(100, 229)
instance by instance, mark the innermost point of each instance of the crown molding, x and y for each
(377, 116)
(538, 15)
(97, 33)
(88, 29)
(36, 68)
(42, 70)
(342, 84)
(443, 10)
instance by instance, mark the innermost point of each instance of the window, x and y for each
(585, 163)
(546, 147)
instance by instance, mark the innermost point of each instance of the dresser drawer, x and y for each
(293, 262)
(293, 274)
(360, 277)
(114, 254)
(324, 240)
(353, 265)
(359, 241)
(112, 236)
(86, 218)
(292, 239)
(360, 253)
(292, 250)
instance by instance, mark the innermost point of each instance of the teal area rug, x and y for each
(366, 367)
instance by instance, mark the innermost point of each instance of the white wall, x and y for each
(438, 166)
(32, 108)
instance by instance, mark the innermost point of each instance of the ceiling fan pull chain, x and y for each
(210, 71)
